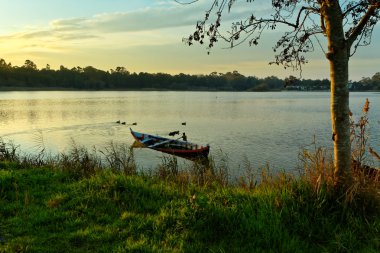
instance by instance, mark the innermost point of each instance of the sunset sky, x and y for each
(145, 36)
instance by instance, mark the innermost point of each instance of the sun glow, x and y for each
(143, 36)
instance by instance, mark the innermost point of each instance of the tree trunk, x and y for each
(338, 56)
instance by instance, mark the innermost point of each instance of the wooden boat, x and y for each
(176, 147)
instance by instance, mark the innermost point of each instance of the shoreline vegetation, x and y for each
(28, 78)
(79, 202)
(97, 201)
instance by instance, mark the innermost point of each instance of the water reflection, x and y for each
(264, 127)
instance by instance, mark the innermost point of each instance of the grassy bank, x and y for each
(98, 201)
(48, 209)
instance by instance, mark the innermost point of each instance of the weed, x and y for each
(79, 161)
(57, 200)
(363, 191)
(359, 134)
(168, 168)
(207, 172)
(8, 151)
(120, 158)
(249, 180)
(318, 167)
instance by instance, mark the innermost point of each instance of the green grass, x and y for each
(49, 210)
(97, 201)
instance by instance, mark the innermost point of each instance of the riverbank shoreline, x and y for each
(46, 209)
(10, 88)
(5, 88)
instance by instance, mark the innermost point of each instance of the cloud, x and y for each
(68, 24)
(149, 39)
(32, 34)
(162, 24)
(154, 25)
(143, 20)
(162, 16)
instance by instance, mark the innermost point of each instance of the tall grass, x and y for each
(9, 151)
(120, 157)
(202, 172)
(49, 210)
(78, 160)
(363, 193)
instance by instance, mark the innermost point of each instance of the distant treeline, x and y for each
(29, 76)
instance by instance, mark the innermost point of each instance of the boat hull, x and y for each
(175, 147)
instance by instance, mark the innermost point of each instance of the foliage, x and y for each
(303, 22)
(90, 78)
(367, 83)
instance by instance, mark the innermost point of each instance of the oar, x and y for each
(163, 142)
(160, 143)
(146, 140)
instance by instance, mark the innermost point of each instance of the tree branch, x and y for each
(304, 8)
(363, 22)
(323, 26)
(351, 9)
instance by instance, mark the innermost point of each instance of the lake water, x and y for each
(269, 127)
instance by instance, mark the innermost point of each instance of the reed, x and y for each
(79, 161)
(251, 176)
(359, 134)
(168, 169)
(9, 151)
(363, 193)
(120, 157)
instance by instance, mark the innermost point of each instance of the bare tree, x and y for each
(345, 25)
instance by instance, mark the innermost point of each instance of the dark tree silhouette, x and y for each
(345, 25)
(90, 78)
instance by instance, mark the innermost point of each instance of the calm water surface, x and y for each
(264, 128)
